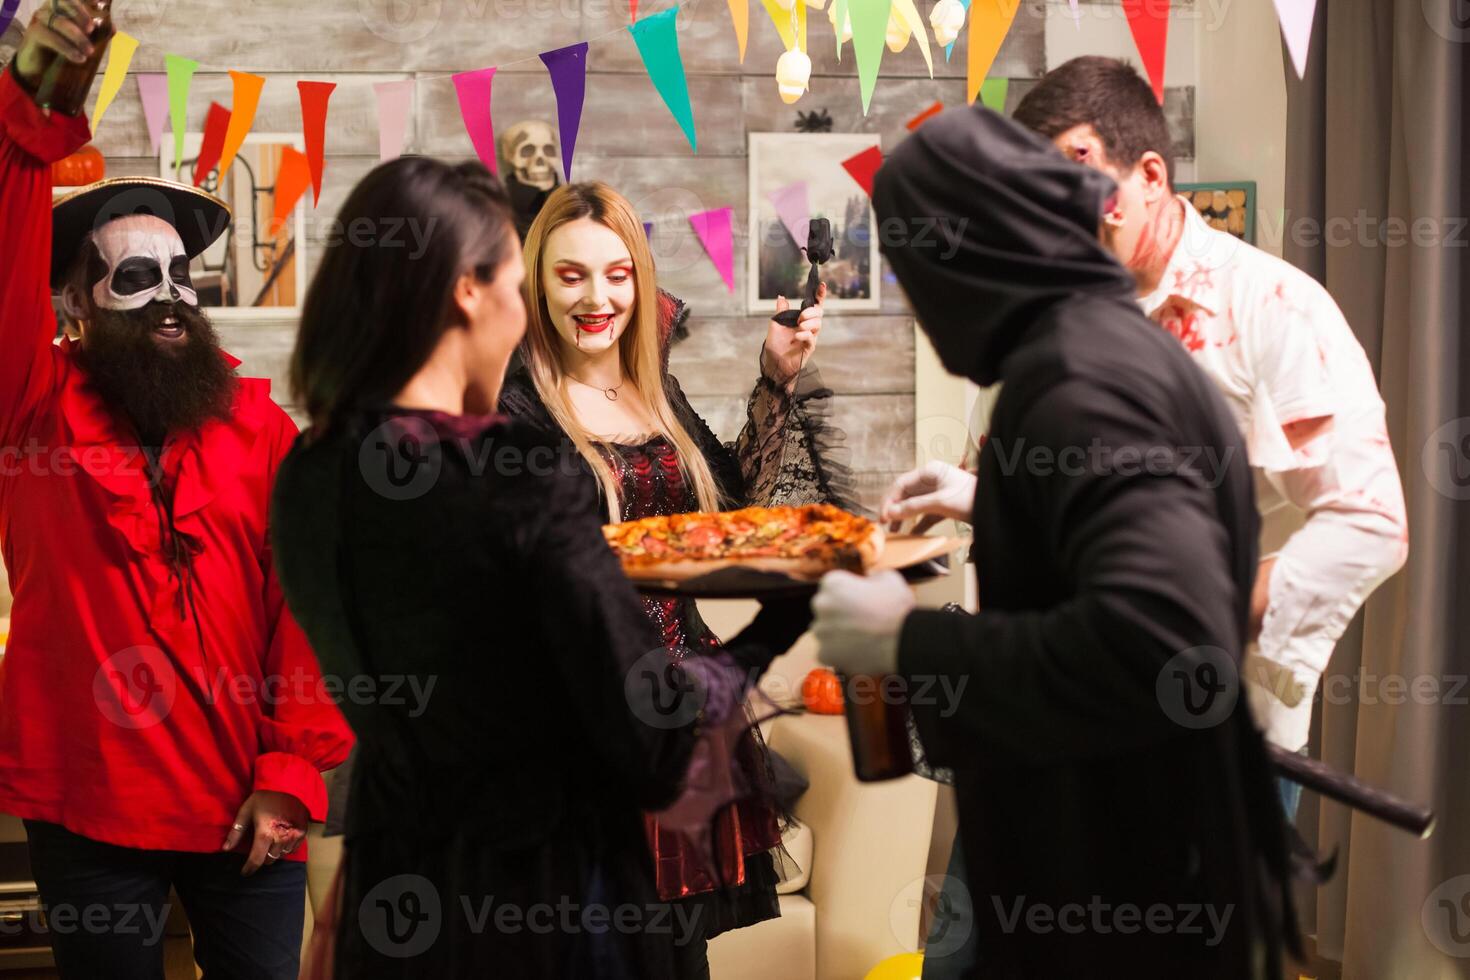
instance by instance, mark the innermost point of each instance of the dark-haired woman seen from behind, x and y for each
(450, 569)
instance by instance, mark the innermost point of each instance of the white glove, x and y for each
(858, 619)
(935, 488)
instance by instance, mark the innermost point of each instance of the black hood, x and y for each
(1029, 238)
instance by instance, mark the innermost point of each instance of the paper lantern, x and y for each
(846, 23)
(947, 17)
(793, 75)
(898, 33)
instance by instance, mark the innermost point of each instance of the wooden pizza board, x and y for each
(919, 557)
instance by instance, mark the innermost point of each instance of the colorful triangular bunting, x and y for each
(119, 55)
(793, 207)
(658, 45)
(291, 182)
(314, 97)
(394, 101)
(180, 73)
(568, 69)
(216, 125)
(1148, 20)
(1296, 26)
(869, 27)
(242, 115)
(713, 229)
(863, 167)
(927, 114)
(990, 22)
(8, 10)
(153, 91)
(993, 94)
(740, 16)
(473, 88)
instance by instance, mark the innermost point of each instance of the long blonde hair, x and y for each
(640, 346)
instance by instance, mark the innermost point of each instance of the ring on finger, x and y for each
(55, 9)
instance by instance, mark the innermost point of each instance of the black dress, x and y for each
(785, 454)
(461, 590)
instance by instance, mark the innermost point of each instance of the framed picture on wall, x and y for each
(801, 174)
(1228, 206)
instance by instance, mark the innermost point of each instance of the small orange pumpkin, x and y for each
(86, 166)
(821, 692)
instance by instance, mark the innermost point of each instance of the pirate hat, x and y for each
(200, 218)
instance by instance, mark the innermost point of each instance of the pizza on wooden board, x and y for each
(804, 542)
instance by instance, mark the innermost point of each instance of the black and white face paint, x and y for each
(145, 261)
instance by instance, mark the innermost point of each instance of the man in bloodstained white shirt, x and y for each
(1288, 364)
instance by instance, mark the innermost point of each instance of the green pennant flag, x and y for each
(869, 27)
(180, 73)
(658, 45)
(993, 94)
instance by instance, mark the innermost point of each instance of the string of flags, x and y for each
(869, 24)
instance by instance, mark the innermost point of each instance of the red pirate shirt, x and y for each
(138, 706)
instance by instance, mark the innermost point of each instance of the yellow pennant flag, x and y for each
(119, 56)
(782, 20)
(242, 116)
(740, 14)
(990, 21)
(910, 16)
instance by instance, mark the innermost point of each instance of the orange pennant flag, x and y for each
(242, 115)
(292, 180)
(990, 21)
(740, 15)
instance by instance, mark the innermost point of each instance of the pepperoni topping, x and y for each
(703, 536)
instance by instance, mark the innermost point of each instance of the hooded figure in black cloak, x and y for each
(1116, 804)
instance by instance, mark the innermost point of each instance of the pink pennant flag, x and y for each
(713, 229)
(1296, 26)
(153, 89)
(473, 88)
(394, 101)
(794, 210)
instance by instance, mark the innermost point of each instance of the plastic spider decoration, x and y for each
(816, 121)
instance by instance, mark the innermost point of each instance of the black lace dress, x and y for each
(785, 454)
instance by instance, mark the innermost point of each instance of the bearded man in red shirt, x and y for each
(163, 723)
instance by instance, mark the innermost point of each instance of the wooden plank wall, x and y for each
(627, 138)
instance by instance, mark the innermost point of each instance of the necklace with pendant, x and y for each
(611, 394)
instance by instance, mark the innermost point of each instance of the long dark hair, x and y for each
(381, 298)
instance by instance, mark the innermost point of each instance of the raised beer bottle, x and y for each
(877, 726)
(62, 84)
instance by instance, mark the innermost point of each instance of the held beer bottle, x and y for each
(62, 84)
(877, 725)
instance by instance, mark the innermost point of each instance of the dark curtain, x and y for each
(1377, 140)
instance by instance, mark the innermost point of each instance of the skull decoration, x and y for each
(531, 150)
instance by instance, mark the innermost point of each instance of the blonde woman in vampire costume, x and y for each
(595, 374)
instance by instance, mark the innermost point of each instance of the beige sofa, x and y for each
(863, 885)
